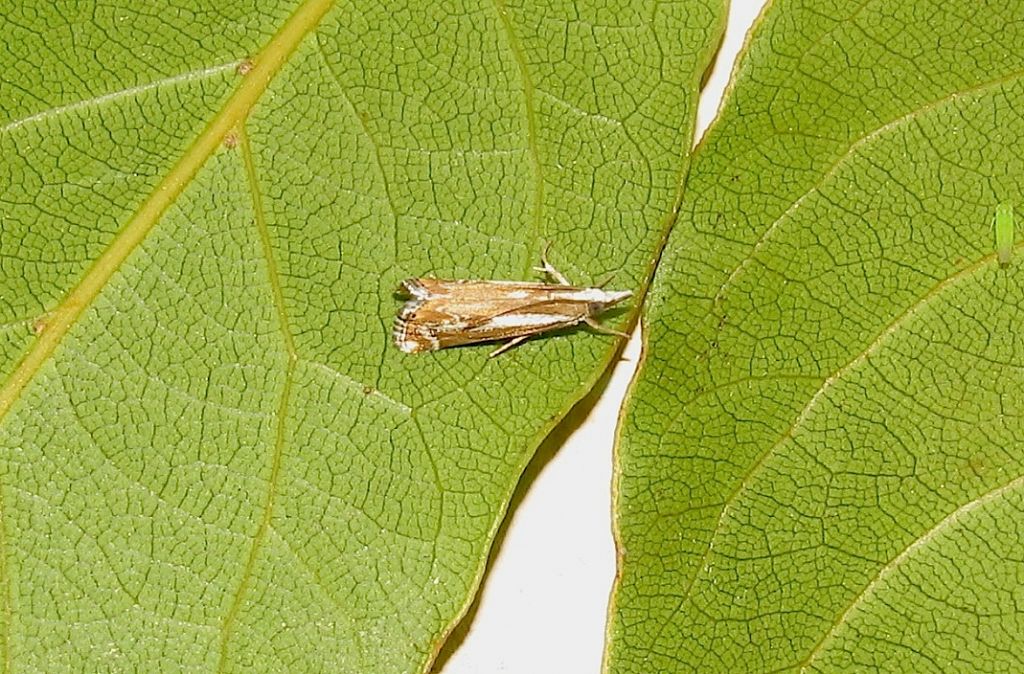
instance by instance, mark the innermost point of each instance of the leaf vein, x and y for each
(280, 434)
(841, 160)
(891, 328)
(117, 95)
(267, 64)
(531, 135)
(385, 182)
(915, 544)
(356, 384)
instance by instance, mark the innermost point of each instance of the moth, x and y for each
(441, 313)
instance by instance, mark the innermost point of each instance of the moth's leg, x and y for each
(603, 329)
(548, 268)
(606, 280)
(508, 345)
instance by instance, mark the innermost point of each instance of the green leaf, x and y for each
(822, 462)
(211, 457)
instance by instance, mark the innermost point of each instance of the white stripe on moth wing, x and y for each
(517, 320)
(590, 295)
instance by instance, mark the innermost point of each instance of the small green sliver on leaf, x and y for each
(821, 463)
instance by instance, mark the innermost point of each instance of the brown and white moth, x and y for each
(441, 313)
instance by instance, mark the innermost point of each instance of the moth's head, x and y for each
(411, 288)
(608, 299)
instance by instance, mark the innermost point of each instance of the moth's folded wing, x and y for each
(445, 313)
(475, 300)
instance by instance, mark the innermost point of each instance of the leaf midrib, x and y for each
(840, 161)
(235, 110)
(851, 152)
(755, 468)
(266, 66)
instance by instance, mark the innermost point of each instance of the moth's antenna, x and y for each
(549, 269)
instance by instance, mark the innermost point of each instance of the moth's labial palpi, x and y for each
(441, 313)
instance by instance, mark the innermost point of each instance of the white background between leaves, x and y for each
(544, 603)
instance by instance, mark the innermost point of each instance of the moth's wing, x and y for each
(425, 317)
(421, 319)
(531, 319)
(471, 299)
(443, 313)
